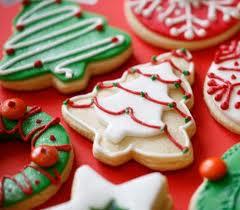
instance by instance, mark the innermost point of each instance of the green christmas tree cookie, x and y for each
(56, 43)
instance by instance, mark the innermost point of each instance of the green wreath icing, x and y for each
(57, 37)
(223, 194)
(33, 179)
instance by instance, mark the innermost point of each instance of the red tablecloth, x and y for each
(211, 138)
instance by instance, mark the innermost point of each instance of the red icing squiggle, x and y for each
(33, 135)
(223, 90)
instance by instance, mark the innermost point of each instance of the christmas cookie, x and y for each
(56, 43)
(143, 115)
(91, 191)
(222, 86)
(194, 24)
(221, 187)
(51, 155)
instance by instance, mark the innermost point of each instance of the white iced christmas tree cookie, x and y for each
(222, 86)
(194, 24)
(90, 191)
(143, 115)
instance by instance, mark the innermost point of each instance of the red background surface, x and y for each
(211, 138)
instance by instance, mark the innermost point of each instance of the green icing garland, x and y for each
(33, 180)
(223, 194)
(56, 36)
(112, 205)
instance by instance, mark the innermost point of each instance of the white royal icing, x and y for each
(181, 12)
(30, 17)
(120, 127)
(90, 190)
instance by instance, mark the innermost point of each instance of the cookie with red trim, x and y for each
(51, 155)
(222, 86)
(194, 24)
(221, 186)
(56, 43)
(144, 115)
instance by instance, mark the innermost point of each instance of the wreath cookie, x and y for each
(222, 86)
(51, 155)
(221, 187)
(194, 24)
(56, 43)
(90, 191)
(143, 115)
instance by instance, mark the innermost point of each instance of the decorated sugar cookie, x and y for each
(143, 115)
(56, 43)
(194, 24)
(223, 192)
(51, 155)
(90, 191)
(222, 86)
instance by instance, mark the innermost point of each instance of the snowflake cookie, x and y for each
(143, 115)
(222, 86)
(223, 193)
(194, 24)
(90, 191)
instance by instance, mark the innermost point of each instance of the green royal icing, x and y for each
(223, 194)
(112, 205)
(78, 68)
(12, 193)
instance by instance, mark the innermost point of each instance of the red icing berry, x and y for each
(52, 138)
(45, 156)
(26, 2)
(38, 121)
(218, 97)
(236, 63)
(99, 27)
(213, 169)
(233, 77)
(237, 105)
(13, 109)
(211, 75)
(115, 40)
(38, 64)
(78, 14)
(20, 27)
(37, 182)
(212, 82)
(10, 51)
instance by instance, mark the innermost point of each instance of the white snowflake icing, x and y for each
(179, 15)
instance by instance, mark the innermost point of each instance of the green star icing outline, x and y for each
(78, 68)
(112, 205)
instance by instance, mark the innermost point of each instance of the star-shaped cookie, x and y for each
(90, 191)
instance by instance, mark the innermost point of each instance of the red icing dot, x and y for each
(99, 27)
(78, 14)
(236, 63)
(20, 27)
(38, 64)
(52, 138)
(238, 92)
(218, 97)
(26, 2)
(115, 40)
(37, 182)
(58, 1)
(211, 75)
(45, 156)
(233, 76)
(225, 105)
(210, 91)
(213, 169)
(10, 51)
(38, 121)
(13, 109)
(237, 105)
